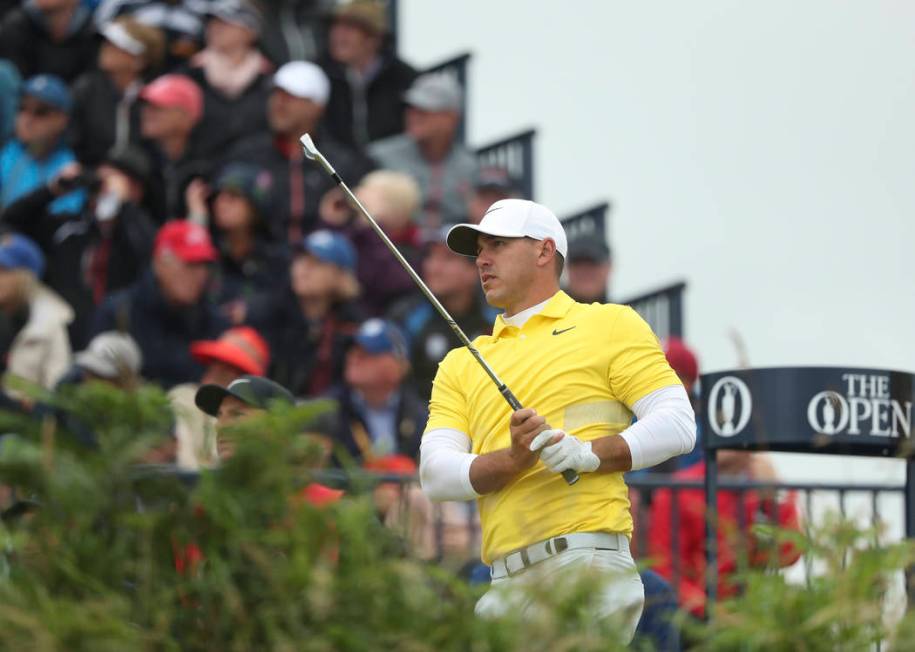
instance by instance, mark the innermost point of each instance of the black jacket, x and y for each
(84, 262)
(24, 39)
(245, 280)
(95, 118)
(284, 165)
(226, 121)
(305, 356)
(383, 101)
(352, 438)
(163, 333)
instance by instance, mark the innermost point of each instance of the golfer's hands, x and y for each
(559, 451)
(524, 426)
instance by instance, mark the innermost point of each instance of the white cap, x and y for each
(303, 79)
(118, 36)
(111, 355)
(510, 218)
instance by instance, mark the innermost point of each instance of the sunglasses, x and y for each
(37, 110)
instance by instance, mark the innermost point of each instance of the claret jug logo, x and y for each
(729, 406)
(866, 408)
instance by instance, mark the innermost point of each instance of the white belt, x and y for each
(515, 562)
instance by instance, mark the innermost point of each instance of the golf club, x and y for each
(571, 477)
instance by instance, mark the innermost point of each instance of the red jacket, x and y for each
(691, 537)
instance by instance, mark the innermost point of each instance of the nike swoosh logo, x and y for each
(564, 330)
(493, 210)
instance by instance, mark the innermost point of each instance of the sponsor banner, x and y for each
(809, 409)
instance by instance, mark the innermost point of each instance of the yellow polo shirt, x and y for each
(580, 366)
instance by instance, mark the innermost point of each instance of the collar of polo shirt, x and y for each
(557, 308)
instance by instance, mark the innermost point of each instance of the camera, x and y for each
(87, 179)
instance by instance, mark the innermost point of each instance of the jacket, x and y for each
(40, 352)
(163, 333)
(381, 102)
(101, 114)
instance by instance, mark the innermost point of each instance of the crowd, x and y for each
(160, 222)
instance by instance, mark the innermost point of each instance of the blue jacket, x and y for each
(21, 173)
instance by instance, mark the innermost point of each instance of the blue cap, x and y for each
(379, 336)
(50, 89)
(20, 252)
(331, 247)
(250, 181)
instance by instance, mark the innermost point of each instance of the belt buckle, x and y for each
(525, 562)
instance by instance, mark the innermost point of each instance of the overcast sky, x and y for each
(763, 152)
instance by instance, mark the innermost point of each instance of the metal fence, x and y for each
(662, 309)
(514, 154)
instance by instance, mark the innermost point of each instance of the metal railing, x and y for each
(590, 222)
(514, 154)
(662, 309)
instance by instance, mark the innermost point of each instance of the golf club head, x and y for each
(309, 146)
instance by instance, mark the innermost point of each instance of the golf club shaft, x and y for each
(571, 477)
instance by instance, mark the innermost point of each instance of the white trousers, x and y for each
(620, 595)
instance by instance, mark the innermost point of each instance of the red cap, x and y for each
(241, 347)
(682, 359)
(175, 91)
(400, 464)
(188, 241)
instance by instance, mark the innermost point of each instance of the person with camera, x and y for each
(104, 247)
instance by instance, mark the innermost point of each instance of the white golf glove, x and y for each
(568, 453)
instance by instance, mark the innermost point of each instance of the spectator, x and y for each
(180, 21)
(734, 542)
(100, 250)
(380, 414)
(492, 184)
(455, 281)
(234, 77)
(39, 151)
(166, 309)
(294, 30)
(9, 93)
(106, 113)
(110, 357)
(392, 198)
(35, 346)
(173, 105)
(429, 150)
(588, 269)
(367, 80)
(295, 107)
(683, 361)
(238, 351)
(309, 322)
(54, 37)
(249, 263)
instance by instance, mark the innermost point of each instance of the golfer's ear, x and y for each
(547, 251)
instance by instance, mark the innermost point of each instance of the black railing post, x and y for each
(711, 529)
(515, 155)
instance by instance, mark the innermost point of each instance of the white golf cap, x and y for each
(510, 218)
(117, 35)
(303, 79)
(111, 355)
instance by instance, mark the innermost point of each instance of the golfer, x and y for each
(584, 370)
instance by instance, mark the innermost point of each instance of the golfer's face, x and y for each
(506, 267)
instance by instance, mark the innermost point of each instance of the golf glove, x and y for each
(568, 453)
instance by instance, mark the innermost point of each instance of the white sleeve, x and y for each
(666, 427)
(444, 465)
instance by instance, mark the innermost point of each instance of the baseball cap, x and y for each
(435, 92)
(592, 248)
(330, 247)
(241, 347)
(304, 80)
(118, 35)
(20, 252)
(132, 160)
(111, 355)
(237, 12)
(496, 178)
(175, 92)
(510, 218)
(378, 336)
(369, 14)
(255, 391)
(188, 241)
(50, 89)
(250, 181)
(681, 359)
